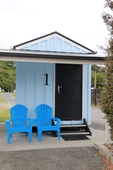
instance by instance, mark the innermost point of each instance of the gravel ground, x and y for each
(84, 158)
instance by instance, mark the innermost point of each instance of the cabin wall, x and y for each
(32, 91)
(30, 85)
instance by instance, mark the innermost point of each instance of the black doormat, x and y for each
(74, 137)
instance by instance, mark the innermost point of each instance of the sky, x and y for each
(79, 20)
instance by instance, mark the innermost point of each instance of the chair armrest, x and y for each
(7, 123)
(58, 120)
(37, 121)
(31, 121)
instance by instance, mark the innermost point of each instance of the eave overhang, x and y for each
(50, 57)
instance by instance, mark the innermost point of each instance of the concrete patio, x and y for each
(19, 141)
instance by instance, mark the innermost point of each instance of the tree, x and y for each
(7, 76)
(107, 93)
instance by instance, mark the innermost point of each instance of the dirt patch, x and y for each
(110, 147)
(109, 165)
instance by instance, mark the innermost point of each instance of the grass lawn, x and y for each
(4, 114)
(1, 100)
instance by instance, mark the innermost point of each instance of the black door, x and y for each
(68, 99)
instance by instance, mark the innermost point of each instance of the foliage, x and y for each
(97, 68)
(99, 73)
(107, 93)
(7, 76)
(99, 78)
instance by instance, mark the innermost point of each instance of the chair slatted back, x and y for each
(44, 113)
(18, 115)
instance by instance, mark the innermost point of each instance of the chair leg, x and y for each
(8, 138)
(39, 136)
(58, 134)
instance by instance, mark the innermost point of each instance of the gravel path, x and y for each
(84, 158)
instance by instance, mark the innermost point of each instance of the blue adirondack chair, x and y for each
(19, 122)
(44, 121)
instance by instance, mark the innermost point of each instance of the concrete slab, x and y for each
(19, 141)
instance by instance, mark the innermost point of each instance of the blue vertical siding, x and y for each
(58, 44)
(31, 89)
(67, 47)
(21, 83)
(55, 44)
(75, 49)
(43, 45)
(40, 83)
(51, 44)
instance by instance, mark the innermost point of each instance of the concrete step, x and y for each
(72, 125)
(74, 129)
(74, 133)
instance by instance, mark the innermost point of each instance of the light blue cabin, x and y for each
(55, 70)
(55, 79)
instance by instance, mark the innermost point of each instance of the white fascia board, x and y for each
(50, 60)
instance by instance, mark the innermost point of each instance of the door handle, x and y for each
(59, 87)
